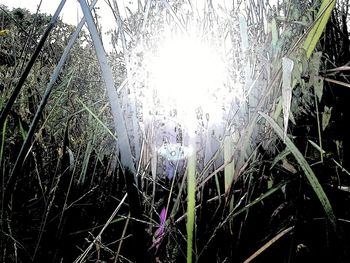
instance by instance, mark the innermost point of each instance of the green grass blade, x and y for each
(3, 140)
(98, 120)
(191, 189)
(318, 27)
(316, 186)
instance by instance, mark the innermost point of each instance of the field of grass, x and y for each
(209, 133)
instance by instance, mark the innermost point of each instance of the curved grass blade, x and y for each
(316, 186)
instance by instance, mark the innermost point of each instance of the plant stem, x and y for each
(191, 189)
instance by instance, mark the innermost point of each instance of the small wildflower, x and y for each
(160, 232)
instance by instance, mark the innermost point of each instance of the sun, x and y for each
(186, 73)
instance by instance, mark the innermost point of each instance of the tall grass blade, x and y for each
(318, 27)
(268, 244)
(191, 189)
(123, 142)
(3, 134)
(126, 157)
(86, 160)
(316, 186)
(134, 130)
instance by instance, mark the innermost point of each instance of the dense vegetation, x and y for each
(69, 197)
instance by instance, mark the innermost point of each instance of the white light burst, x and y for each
(185, 74)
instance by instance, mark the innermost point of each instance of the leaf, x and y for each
(86, 159)
(280, 157)
(243, 28)
(23, 131)
(317, 82)
(3, 136)
(71, 160)
(291, 118)
(274, 32)
(315, 62)
(326, 116)
(316, 186)
(287, 67)
(316, 31)
(269, 183)
(4, 32)
(154, 163)
(340, 148)
(290, 168)
(317, 147)
(301, 64)
(229, 165)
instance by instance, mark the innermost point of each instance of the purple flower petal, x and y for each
(160, 232)
(162, 216)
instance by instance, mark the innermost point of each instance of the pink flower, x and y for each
(160, 232)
